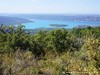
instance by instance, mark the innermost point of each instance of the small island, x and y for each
(58, 25)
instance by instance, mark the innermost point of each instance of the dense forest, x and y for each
(52, 52)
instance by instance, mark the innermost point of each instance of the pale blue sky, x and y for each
(50, 6)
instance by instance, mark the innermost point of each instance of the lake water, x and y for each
(45, 20)
(46, 24)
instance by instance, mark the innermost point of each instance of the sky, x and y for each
(50, 6)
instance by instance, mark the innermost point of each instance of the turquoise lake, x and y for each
(46, 24)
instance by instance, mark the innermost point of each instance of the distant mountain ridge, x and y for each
(74, 18)
(5, 20)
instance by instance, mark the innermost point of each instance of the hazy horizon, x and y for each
(45, 14)
(50, 7)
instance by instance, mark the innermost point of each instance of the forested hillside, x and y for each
(53, 52)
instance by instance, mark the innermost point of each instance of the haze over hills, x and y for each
(63, 17)
(5, 20)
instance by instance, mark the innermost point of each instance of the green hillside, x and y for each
(54, 52)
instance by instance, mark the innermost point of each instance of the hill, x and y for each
(5, 20)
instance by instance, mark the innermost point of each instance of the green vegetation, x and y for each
(54, 52)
